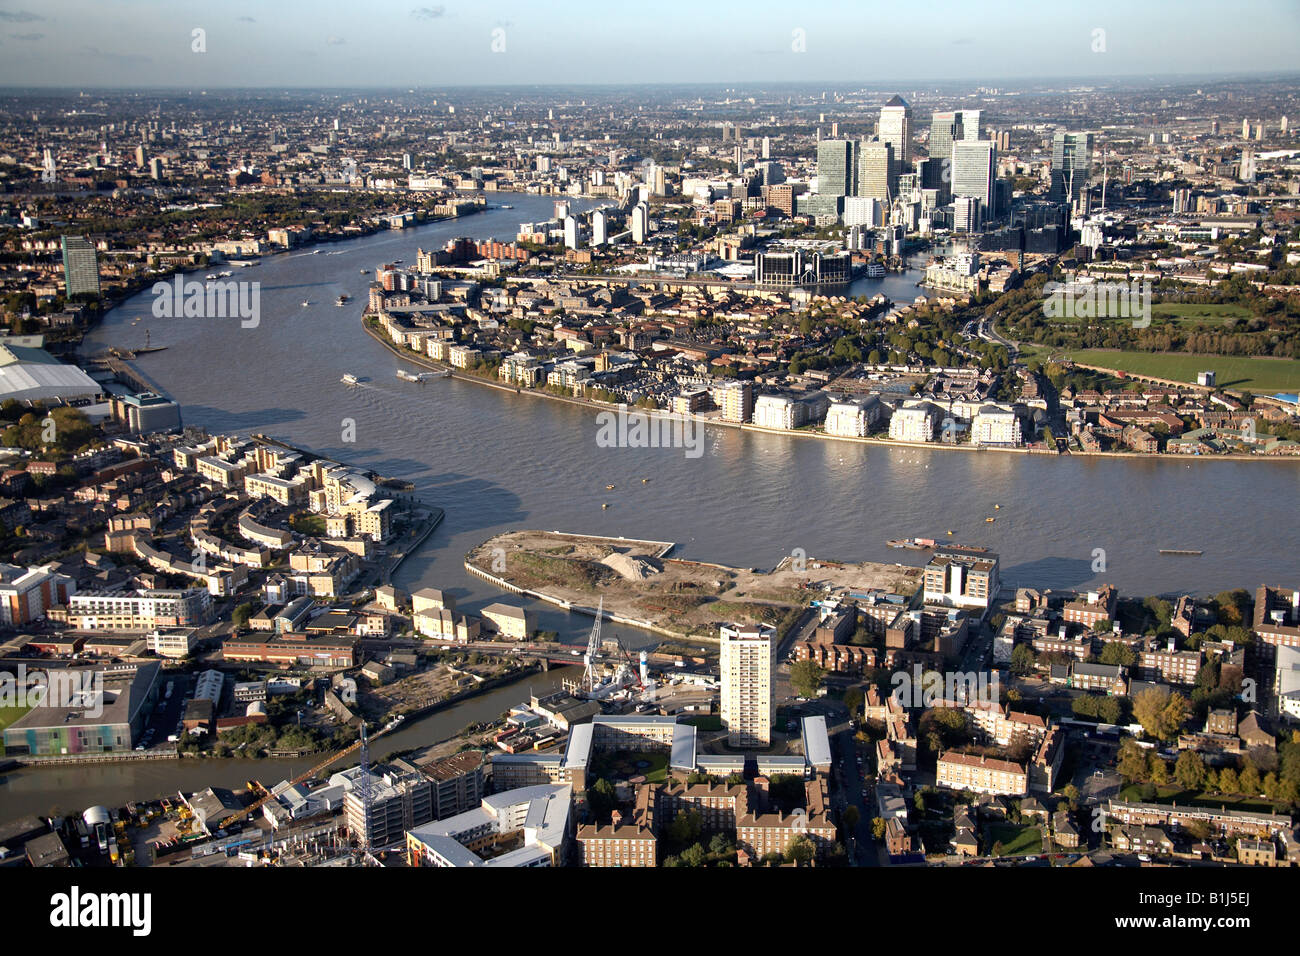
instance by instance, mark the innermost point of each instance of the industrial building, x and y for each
(103, 714)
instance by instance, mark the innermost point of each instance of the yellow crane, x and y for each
(256, 805)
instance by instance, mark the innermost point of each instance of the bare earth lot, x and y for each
(668, 594)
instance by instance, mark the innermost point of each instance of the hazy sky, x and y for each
(83, 43)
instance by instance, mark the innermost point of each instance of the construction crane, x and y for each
(594, 684)
(590, 675)
(252, 808)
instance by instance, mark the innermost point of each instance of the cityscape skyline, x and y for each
(914, 453)
(149, 45)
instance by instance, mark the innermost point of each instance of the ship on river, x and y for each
(406, 376)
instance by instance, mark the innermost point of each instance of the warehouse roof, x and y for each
(36, 381)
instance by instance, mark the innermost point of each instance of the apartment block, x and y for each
(748, 708)
(27, 593)
(961, 577)
(958, 771)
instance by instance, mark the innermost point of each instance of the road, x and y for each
(848, 788)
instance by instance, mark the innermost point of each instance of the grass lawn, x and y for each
(1180, 313)
(7, 716)
(624, 764)
(1016, 841)
(1257, 374)
(704, 722)
(1192, 313)
(657, 772)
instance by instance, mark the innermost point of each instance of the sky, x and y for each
(414, 43)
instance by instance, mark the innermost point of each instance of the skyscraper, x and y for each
(863, 211)
(877, 173)
(836, 167)
(969, 121)
(896, 130)
(974, 164)
(599, 228)
(1071, 162)
(949, 126)
(80, 266)
(944, 128)
(747, 703)
(1246, 168)
(640, 217)
(966, 214)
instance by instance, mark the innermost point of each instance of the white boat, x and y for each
(350, 379)
(406, 376)
(305, 303)
(507, 207)
(211, 276)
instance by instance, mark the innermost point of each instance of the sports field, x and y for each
(1264, 375)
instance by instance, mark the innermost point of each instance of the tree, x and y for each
(1159, 772)
(1249, 780)
(806, 677)
(850, 819)
(241, 615)
(853, 701)
(878, 827)
(1228, 782)
(1160, 715)
(601, 798)
(801, 850)
(685, 828)
(1116, 653)
(1270, 786)
(1132, 764)
(721, 845)
(1022, 659)
(693, 855)
(1071, 794)
(1189, 771)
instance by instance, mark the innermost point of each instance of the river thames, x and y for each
(495, 461)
